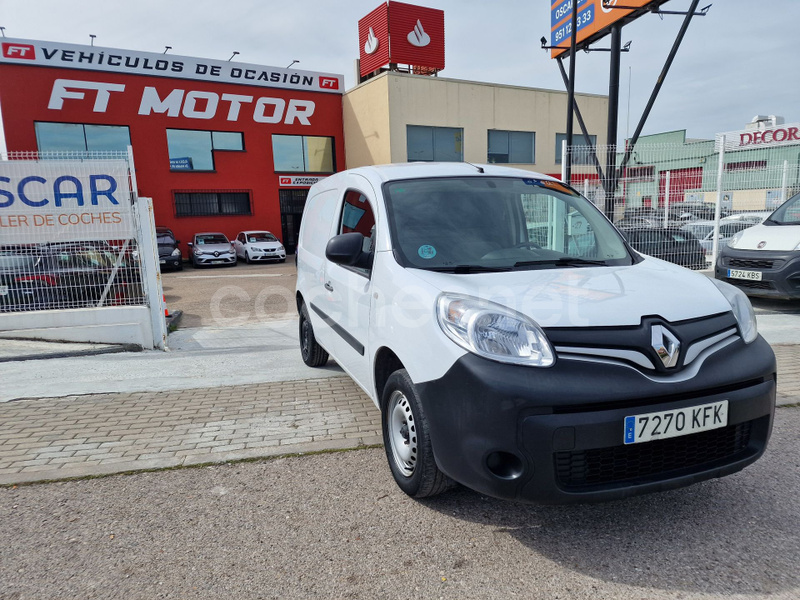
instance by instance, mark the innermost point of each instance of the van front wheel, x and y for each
(407, 441)
(313, 354)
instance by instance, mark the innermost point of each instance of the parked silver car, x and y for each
(212, 248)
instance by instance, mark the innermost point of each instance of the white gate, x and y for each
(78, 257)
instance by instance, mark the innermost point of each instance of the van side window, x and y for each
(357, 216)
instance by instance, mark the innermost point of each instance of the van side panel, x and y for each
(319, 218)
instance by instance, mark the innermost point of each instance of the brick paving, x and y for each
(788, 373)
(76, 436)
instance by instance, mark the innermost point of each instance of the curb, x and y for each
(72, 353)
(174, 320)
(165, 464)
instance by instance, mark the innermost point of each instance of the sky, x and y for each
(738, 61)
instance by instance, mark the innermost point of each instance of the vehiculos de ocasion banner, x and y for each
(56, 201)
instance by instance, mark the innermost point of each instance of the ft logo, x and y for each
(24, 51)
(330, 83)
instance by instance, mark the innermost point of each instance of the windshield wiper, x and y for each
(464, 269)
(564, 261)
(774, 222)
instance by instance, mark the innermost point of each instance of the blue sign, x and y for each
(560, 35)
(183, 163)
(563, 9)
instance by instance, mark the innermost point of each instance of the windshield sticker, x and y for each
(553, 185)
(426, 252)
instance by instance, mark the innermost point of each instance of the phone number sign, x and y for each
(595, 17)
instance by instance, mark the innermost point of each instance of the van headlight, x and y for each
(742, 310)
(493, 331)
(176, 252)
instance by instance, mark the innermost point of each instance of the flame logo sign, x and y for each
(372, 43)
(418, 37)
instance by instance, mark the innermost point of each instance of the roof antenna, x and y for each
(480, 169)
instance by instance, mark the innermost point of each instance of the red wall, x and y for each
(25, 93)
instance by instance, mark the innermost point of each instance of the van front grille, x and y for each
(751, 285)
(754, 263)
(650, 461)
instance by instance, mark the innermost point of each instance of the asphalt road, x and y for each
(336, 526)
(231, 296)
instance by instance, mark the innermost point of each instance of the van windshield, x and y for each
(787, 214)
(473, 224)
(261, 236)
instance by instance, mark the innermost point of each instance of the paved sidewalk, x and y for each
(788, 373)
(75, 436)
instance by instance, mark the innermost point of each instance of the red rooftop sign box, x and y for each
(401, 33)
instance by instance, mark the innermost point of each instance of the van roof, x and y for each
(415, 170)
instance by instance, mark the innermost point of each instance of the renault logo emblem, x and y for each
(666, 345)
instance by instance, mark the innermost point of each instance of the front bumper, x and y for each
(267, 256)
(210, 259)
(556, 435)
(780, 271)
(173, 262)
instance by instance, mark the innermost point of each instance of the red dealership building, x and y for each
(225, 146)
(218, 145)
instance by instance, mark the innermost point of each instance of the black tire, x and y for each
(247, 257)
(312, 353)
(406, 440)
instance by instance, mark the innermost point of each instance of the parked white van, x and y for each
(764, 260)
(516, 344)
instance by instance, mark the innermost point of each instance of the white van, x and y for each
(764, 260)
(516, 344)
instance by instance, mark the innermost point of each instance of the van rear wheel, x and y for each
(407, 441)
(313, 354)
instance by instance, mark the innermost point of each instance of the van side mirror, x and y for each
(190, 244)
(346, 250)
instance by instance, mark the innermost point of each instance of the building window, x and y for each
(515, 147)
(640, 174)
(581, 152)
(191, 150)
(212, 203)
(75, 137)
(746, 165)
(440, 144)
(302, 154)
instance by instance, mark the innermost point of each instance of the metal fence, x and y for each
(68, 232)
(681, 202)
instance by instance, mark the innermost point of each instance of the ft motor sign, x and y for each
(55, 201)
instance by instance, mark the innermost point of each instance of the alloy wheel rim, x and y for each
(402, 433)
